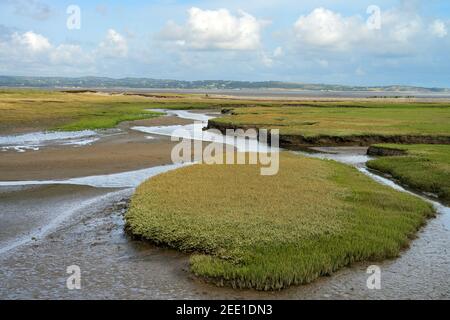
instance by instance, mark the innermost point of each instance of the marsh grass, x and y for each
(54, 110)
(346, 119)
(424, 167)
(269, 232)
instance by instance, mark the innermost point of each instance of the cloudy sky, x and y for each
(359, 42)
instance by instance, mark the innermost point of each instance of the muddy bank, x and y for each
(385, 152)
(298, 141)
(126, 150)
(31, 212)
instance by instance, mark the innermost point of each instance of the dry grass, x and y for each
(270, 232)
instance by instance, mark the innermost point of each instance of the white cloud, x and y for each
(438, 28)
(401, 27)
(215, 29)
(38, 54)
(114, 45)
(70, 54)
(326, 30)
(31, 41)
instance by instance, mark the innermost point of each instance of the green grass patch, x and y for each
(47, 110)
(346, 119)
(76, 111)
(270, 232)
(424, 167)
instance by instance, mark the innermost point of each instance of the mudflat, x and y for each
(125, 151)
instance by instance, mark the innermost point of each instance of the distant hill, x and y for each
(142, 83)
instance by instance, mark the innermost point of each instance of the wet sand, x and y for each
(125, 151)
(27, 209)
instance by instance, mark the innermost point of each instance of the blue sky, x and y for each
(405, 42)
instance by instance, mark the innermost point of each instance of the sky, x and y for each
(359, 42)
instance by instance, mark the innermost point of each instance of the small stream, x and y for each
(84, 226)
(357, 157)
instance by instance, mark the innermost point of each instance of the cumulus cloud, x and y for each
(215, 29)
(438, 28)
(30, 41)
(114, 45)
(31, 51)
(324, 29)
(36, 51)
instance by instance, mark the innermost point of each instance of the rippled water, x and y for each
(33, 141)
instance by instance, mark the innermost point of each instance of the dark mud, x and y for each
(385, 152)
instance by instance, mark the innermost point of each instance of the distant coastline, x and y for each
(207, 85)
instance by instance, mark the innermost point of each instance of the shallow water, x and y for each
(33, 141)
(129, 179)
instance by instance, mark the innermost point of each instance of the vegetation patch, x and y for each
(346, 123)
(269, 232)
(423, 167)
(31, 110)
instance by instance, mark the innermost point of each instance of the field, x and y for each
(346, 119)
(51, 110)
(423, 167)
(270, 232)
